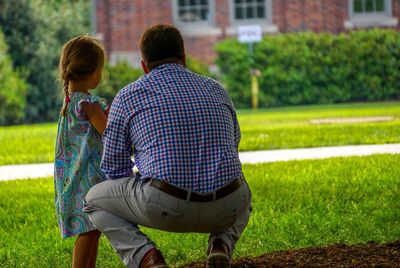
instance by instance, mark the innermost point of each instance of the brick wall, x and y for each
(396, 11)
(314, 15)
(201, 47)
(222, 13)
(121, 23)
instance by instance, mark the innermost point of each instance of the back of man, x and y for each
(183, 127)
(183, 132)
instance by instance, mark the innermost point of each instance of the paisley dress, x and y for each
(77, 165)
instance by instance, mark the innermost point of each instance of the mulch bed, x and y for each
(363, 255)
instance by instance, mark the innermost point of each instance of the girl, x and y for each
(79, 146)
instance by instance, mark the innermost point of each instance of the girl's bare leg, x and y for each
(93, 253)
(83, 248)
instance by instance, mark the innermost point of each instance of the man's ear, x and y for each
(144, 67)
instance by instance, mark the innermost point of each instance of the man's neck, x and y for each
(155, 64)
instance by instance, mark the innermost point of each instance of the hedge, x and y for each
(310, 68)
(122, 73)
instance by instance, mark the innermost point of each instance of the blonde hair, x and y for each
(80, 57)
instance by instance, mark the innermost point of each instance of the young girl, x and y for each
(79, 146)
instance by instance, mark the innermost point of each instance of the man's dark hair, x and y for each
(161, 44)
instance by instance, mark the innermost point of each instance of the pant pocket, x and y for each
(233, 206)
(162, 211)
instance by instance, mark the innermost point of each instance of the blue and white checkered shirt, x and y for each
(179, 126)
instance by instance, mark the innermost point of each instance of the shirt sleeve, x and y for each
(116, 161)
(237, 130)
(228, 101)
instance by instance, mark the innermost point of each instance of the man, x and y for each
(184, 135)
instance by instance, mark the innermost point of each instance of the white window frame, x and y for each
(266, 24)
(197, 27)
(371, 19)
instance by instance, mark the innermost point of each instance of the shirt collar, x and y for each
(169, 66)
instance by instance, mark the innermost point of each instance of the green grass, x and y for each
(27, 144)
(283, 128)
(277, 128)
(296, 204)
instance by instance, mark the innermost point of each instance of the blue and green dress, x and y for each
(77, 165)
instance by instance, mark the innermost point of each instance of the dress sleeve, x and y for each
(89, 99)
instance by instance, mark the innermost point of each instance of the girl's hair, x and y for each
(80, 57)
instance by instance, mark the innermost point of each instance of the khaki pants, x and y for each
(117, 207)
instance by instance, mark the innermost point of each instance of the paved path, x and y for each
(45, 170)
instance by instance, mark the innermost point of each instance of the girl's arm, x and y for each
(96, 116)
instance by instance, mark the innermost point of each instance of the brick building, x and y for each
(119, 23)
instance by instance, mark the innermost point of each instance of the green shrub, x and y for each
(197, 66)
(117, 76)
(35, 31)
(12, 89)
(309, 68)
(121, 74)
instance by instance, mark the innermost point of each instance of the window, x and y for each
(195, 17)
(192, 11)
(370, 13)
(251, 12)
(249, 9)
(370, 9)
(368, 6)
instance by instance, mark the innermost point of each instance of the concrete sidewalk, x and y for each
(46, 170)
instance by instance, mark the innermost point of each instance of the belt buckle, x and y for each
(200, 198)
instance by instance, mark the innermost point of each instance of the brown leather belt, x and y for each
(196, 197)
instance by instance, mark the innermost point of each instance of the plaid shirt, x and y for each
(179, 126)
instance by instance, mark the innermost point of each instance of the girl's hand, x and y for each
(96, 116)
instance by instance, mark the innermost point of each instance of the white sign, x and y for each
(249, 33)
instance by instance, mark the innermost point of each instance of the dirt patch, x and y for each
(364, 255)
(351, 120)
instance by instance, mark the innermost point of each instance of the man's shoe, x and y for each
(219, 255)
(153, 259)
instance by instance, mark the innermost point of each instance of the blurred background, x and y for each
(311, 52)
(302, 74)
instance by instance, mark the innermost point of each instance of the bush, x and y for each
(119, 75)
(35, 31)
(197, 66)
(115, 78)
(12, 89)
(309, 68)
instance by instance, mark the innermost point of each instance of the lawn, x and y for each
(284, 128)
(296, 204)
(27, 144)
(277, 128)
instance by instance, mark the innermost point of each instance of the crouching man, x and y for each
(184, 135)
